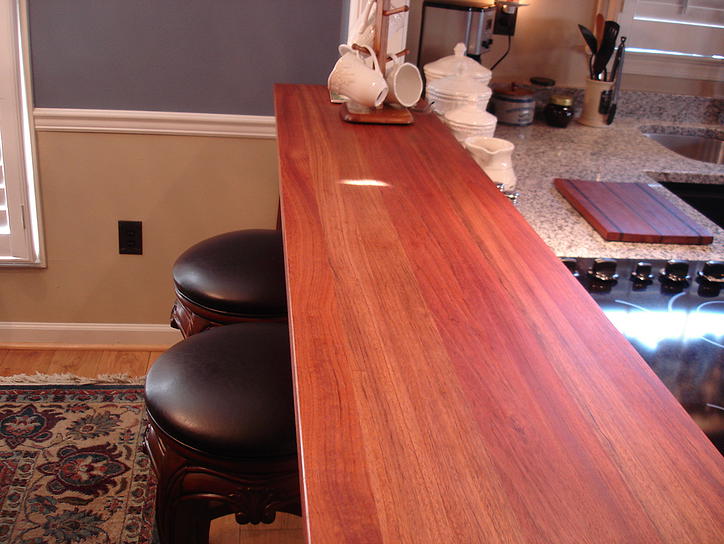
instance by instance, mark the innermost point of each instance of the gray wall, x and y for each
(207, 56)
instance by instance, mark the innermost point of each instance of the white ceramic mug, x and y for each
(405, 84)
(353, 79)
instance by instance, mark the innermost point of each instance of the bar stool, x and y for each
(233, 277)
(221, 433)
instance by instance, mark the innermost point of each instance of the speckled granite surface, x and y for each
(619, 152)
(658, 107)
(672, 108)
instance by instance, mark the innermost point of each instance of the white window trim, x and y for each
(656, 65)
(652, 64)
(24, 245)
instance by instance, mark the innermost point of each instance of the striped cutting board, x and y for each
(631, 212)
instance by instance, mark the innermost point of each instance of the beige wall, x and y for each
(183, 188)
(546, 43)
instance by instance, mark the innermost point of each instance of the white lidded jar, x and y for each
(470, 120)
(452, 92)
(452, 64)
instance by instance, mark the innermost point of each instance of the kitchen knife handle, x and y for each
(617, 75)
(611, 114)
(604, 104)
(617, 58)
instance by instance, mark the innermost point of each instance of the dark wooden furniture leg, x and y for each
(194, 489)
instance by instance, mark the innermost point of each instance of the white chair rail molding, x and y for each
(154, 122)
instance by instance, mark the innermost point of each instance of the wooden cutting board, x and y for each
(631, 212)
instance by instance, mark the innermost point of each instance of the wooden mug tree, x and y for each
(386, 114)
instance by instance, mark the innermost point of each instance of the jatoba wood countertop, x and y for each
(454, 384)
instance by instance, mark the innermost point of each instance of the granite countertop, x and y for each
(619, 152)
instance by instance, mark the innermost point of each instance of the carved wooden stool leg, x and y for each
(180, 519)
(184, 522)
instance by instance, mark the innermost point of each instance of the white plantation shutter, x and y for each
(19, 242)
(12, 233)
(694, 11)
(4, 225)
(682, 38)
(13, 243)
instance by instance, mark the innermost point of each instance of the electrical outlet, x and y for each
(130, 238)
(505, 20)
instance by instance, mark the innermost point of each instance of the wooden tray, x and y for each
(386, 115)
(631, 212)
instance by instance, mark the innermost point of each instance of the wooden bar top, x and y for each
(454, 383)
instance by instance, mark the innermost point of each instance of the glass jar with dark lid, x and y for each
(559, 111)
(542, 87)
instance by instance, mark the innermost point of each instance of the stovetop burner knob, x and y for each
(712, 273)
(642, 272)
(603, 270)
(675, 272)
(571, 264)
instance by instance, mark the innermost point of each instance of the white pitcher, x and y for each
(495, 157)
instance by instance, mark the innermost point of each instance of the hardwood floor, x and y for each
(286, 529)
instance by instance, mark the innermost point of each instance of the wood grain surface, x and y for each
(454, 383)
(631, 212)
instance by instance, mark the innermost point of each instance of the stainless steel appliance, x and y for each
(672, 312)
(483, 24)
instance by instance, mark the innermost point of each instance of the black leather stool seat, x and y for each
(238, 273)
(227, 392)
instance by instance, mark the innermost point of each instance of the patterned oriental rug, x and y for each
(72, 465)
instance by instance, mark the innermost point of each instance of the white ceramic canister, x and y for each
(453, 64)
(470, 120)
(513, 105)
(451, 92)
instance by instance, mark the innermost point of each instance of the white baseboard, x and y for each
(154, 122)
(88, 333)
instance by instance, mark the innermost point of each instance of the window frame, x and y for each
(23, 246)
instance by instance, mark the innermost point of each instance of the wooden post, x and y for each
(381, 29)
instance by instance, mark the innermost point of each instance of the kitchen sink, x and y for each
(708, 199)
(700, 148)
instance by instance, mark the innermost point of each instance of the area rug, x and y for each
(72, 465)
